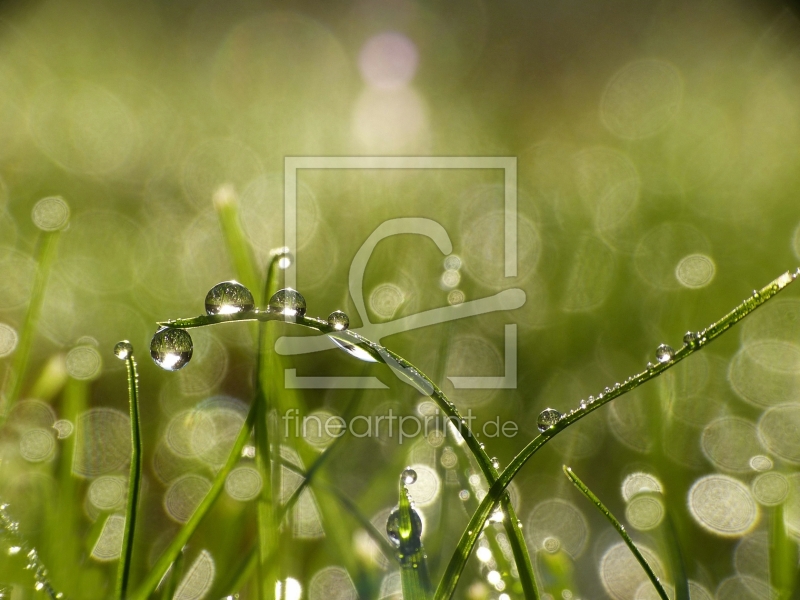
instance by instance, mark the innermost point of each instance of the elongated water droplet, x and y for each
(547, 418)
(123, 349)
(229, 298)
(495, 463)
(353, 350)
(171, 349)
(393, 527)
(664, 353)
(338, 320)
(408, 476)
(288, 302)
(690, 338)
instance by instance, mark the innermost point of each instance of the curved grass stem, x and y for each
(134, 481)
(620, 529)
(44, 255)
(470, 536)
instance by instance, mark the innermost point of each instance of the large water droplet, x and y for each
(547, 418)
(171, 349)
(123, 350)
(393, 527)
(664, 353)
(338, 320)
(689, 338)
(354, 350)
(229, 298)
(408, 476)
(288, 302)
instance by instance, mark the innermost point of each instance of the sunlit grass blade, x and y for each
(469, 538)
(405, 530)
(173, 577)
(783, 556)
(125, 351)
(681, 579)
(44, 255)
(620, 529)
(226, 205)
(185, 533)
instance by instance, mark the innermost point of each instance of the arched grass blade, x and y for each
(620, 529)
(469, 538)
(134, 480)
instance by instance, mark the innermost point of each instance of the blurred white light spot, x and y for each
(391, 121)
(561, 520)
(722, 505)
(388, 60)
(197, 582)
(778, 429)
(386, 299)
(63, 428)
(493, 577)
(620, 572)
(730, 442)
(695, 271)
(484, 554)
(770, 489)
(644, 513)
(641, 99)
(109, 545)
(455, 297)
(8, 339)
(243, 483)
(426, 488)
(331, 583)
(451, 278)
(637, 483)
(84, 363)
(108, 492)
(36, 445)
(184, 496)
(761, 463)
(50, 214)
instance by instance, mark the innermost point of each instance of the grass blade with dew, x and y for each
(404, 528)
(124, 351)
(620, 529)
(44, 255)
(15, 545)
(406, 372)
(175, 547)
(693, 343)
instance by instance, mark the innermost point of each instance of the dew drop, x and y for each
(338, 320)
(393, 527)
(664, 353)
(353, 350)
(288, 302)
(583, 404)
(171, 349)
(285, 258)
(408, 476)
(123, 350)
(495, 463)
(690, 338)
(229, 298)
(548, 418)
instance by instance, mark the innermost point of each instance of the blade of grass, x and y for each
(44, 255)
(414, 576)
(227, 207)
(134, 479)
(173, 576)
(620, 529)
(676, 559)
(782, 555)
(448, 583)
(172, 551)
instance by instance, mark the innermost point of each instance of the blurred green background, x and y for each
(657, 148)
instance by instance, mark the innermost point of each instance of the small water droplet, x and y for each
(171, 348)
(123, 350)
(408, 476)
(338, 320)
(664, 353)
(288, 302)
(591, 399)
(607, 390)
(583, 403)
(650, 365)
(285, 258)
(482, 445)
(393, 528)
(495, 463)
(548, 418)
(229, 298)
(689, 338)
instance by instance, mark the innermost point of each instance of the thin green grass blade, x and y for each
(681, 579)
(620, 529)
(783, 555)
(406, 530)
(134, 480)
(449, 581)
(226, 205)
(172, 551)
(44, 255)
(173, 577)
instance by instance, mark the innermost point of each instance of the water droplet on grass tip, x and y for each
(285, 258)
(548, 418)
(288, 302)
(171, 349)
(393, 528)
(664, 353)
(338, 320)
(408, 476)
(690, 338)
(229, 298)
(495, 463)
(123, 350)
